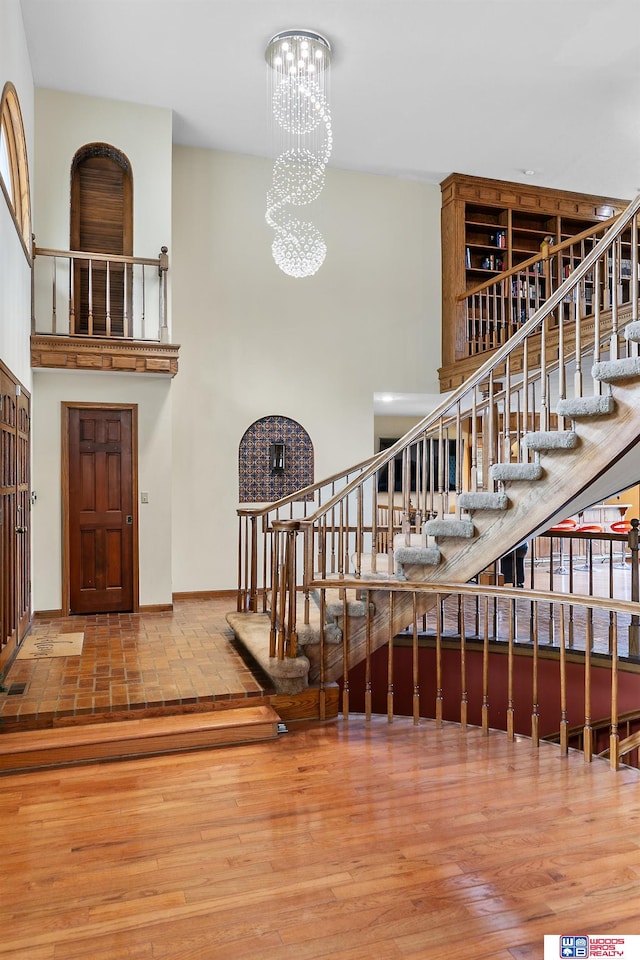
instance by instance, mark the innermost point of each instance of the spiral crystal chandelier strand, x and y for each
(298, 62)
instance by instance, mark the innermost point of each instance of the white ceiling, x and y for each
(419, 88)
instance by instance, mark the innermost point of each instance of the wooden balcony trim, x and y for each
(99, 353)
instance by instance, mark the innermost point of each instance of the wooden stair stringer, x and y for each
(566, 473)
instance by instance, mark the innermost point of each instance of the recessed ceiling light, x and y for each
(528, 173)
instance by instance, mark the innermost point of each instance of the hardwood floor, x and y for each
(337, 841)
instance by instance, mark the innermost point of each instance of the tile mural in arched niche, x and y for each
(275, 459)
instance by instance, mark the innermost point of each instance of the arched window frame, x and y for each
(16, 192)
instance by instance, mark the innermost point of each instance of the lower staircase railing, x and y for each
(471, 675)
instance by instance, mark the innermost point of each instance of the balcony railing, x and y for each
(78, 294)
(496, 309)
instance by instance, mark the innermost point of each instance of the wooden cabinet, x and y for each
(489, 226)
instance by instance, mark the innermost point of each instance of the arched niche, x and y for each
(275, 459)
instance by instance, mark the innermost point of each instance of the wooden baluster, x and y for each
(241, 596)
(275, 590)
(108, 301)
(265, 561)
(544, 386)
(614, 739)
(416, 677)
(535, 713)
(464, 693)
(588, 646)
(367, 665)
(510, 707)
(282, 603)
(633, 286)
(562, 386)
(54, 321)
(359, 532)
(475, 463)
(253, 568)
(564, 723)
(632, 540)
(485, 666)
(571, 608)
(458, 447)
(90, 317)
(374, 525)
(322, 678)
(163, 267)
(292, 633)
(72, 307)
(390, 661)
(126, 320)
(613, 280)
(597, 384)
(143, 329)
(345, 657)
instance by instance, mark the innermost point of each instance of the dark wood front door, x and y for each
(15, 514)
(100, 509)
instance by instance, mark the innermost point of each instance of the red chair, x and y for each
(589, 528)
(621, 526)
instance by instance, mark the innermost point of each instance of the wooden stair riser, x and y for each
(65, 746)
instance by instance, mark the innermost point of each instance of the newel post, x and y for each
(163, 267)
(284, 598)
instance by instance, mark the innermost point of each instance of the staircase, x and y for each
(514, 449)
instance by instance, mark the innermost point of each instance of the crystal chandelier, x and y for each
(298, 62)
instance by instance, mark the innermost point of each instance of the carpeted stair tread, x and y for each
(608, 371)
(551, 440)
(632, 331)
(426, 556)
(516, 471)
(449, 528)
(483, 500)
(355, 608)
(586, 406)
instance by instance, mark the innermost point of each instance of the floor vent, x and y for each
(16, 689)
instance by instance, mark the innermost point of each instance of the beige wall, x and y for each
(15, 275)
(64, 123)
(255, 342)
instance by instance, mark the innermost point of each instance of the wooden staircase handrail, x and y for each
(627, 607)
(624, 746)
(158, 261)
(302, 493)
(603, 723)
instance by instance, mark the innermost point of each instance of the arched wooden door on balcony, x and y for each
(101, 222)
